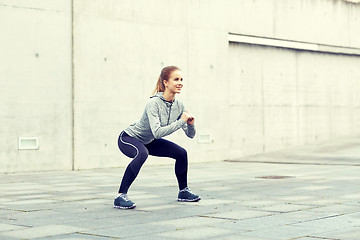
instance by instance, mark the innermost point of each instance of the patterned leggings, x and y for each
(133, 148)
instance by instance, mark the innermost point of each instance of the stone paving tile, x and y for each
(28, 208)
(322, 201)
(282, 232)
(193, 221)
(337, 208)
(334, 222)
(257, 203)
(73, 236)
(242, 237)
(287, 207)
(215, 202)
(315, 188)
(128, 230)
(155, 208)
(253, 224)
(9, 227)
(105, 223)
(42, 231)
(4, 200)
(147, 238)
(28, 202)
(351, 196)
(34, 196)
(239, 214)
(350, 234)
(198, 233)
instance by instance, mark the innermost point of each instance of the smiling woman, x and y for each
(163, 115)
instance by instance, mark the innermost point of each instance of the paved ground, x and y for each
(318, 200)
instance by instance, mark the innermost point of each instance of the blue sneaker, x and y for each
(123, 202)
(186, 195)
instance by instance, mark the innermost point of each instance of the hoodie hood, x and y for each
(161, 96)
(158, 94)
(167, 103)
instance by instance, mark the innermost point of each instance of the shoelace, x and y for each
(187, 189)
(125, 197)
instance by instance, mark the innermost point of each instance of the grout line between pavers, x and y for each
(97, 235)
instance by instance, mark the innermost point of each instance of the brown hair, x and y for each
(164, 75)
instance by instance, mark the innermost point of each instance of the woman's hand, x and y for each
(188, 118)
(191, 120)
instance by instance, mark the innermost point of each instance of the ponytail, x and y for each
(164, 75)
(160, 87)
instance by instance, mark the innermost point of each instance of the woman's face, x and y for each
(175, 82)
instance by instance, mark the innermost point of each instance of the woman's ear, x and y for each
(165, 83)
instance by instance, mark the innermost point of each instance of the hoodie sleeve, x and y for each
(189, 130)
(152, 111)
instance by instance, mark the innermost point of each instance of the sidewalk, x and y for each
(306, 193)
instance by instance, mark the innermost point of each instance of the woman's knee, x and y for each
(139, 160)
(182, 154)
(143, 155)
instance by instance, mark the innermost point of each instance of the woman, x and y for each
(163, 115)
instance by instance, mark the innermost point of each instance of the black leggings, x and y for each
(133, 148)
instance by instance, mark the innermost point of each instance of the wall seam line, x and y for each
(72, 90)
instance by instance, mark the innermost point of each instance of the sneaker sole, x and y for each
(189, 200)
(119, 207)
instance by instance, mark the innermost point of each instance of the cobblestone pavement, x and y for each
(304, 193)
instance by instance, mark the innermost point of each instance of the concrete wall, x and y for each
(35, 83)
(294, 98)
(248, 99)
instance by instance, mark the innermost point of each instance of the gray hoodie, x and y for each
(160, 119)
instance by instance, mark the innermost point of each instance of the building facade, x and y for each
(259, 75)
